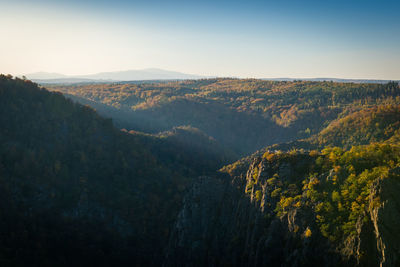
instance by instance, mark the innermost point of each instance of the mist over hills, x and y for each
(42, 75)
(155, 74)
(144, 74)
(127, 75)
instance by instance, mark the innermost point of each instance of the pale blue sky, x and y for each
(262, 39)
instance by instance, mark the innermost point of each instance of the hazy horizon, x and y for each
(200, 75)
(252, 39)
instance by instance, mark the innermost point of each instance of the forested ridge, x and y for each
(153, 186)
(334, 194)
(332, 207)
(76, 190)
(241, 114)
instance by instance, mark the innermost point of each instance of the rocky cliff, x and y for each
(260, 212)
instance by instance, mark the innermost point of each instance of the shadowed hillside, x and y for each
(241, 115)
(77, 191)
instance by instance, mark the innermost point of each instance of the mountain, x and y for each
(77, 191)
(68, 81)
(333, 207)
(242, 115)
(128, 75)
(45, 75)
(145, 74)
(160, 74)
(157, 188)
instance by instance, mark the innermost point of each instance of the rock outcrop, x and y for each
(230, 220)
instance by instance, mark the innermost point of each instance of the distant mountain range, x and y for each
(128, 75)
(154, 74)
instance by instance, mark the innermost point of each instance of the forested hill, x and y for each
(76, 191)
(375, 124)
(329, 208)
(369, 125)
(241, 114)
(334, 205)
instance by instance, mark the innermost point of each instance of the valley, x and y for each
(218, 172)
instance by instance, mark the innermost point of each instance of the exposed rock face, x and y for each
(384, 246)
(211, 224)
(221, 225)
(378, 239)
(386, 223)
(230, 221)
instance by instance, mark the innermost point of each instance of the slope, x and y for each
(335, 207)
(241, 114)
(77, 191)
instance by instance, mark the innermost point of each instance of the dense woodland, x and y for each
(75, 189)
(81, 189)
(341, 205)
(242, 115)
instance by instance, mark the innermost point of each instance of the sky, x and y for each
(250, 39)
